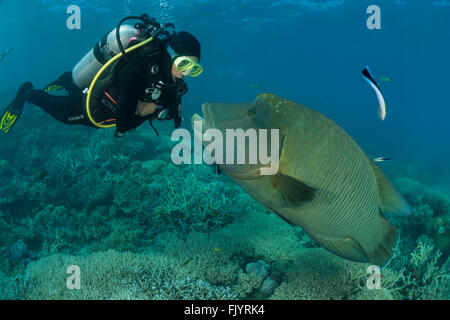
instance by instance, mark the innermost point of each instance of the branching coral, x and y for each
(420, 276)
(112, 275)
(314, 274)
(103, 193)
(428, 278)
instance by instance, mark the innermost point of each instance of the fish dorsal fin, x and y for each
(390, 199)
(292, 192)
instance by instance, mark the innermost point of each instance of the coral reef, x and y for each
(112, 275)
(140, 227)
(313, 274)
(420, 275)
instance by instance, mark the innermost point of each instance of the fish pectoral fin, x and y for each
(389, 198)
(292, 192)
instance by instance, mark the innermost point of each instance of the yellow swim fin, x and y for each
(54, 87)
(8, 119)
(14, 110)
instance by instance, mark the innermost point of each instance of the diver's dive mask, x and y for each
(185, 65)
(188, 66)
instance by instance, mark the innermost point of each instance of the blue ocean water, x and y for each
(310, 52)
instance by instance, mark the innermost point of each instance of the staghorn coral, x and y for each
(112, 275)
(428, 278)
(206, 256)
(314, 274)
(438, 229)
(111, 209)
(372, 294)
(357, 275)
(221, 256)
(419, 275)
(430, 213)
(200, 205)
(6, 292)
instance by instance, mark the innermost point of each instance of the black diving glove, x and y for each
(177, 121)
(162, 113)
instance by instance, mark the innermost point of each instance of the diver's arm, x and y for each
(178, 118)
(182, 89)
(129, 86)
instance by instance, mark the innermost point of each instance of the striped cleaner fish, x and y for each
(325, 183)
(381, 102)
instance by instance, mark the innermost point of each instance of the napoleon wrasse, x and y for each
(325, 183)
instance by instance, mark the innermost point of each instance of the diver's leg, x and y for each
(67, 109)
(53, 105)
(19, 101)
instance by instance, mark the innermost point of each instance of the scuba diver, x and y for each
(134, 74)
(4, 54)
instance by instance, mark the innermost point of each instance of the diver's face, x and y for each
(180, 75)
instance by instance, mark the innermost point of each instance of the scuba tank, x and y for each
(85, 70)
(115, 42)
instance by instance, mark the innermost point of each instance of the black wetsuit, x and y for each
(131, 84)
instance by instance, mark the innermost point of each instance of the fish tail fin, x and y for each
(390, 199)
(383, 251)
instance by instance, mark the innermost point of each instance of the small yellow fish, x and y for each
(385, 79)
(216, 249)
(416, 273)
